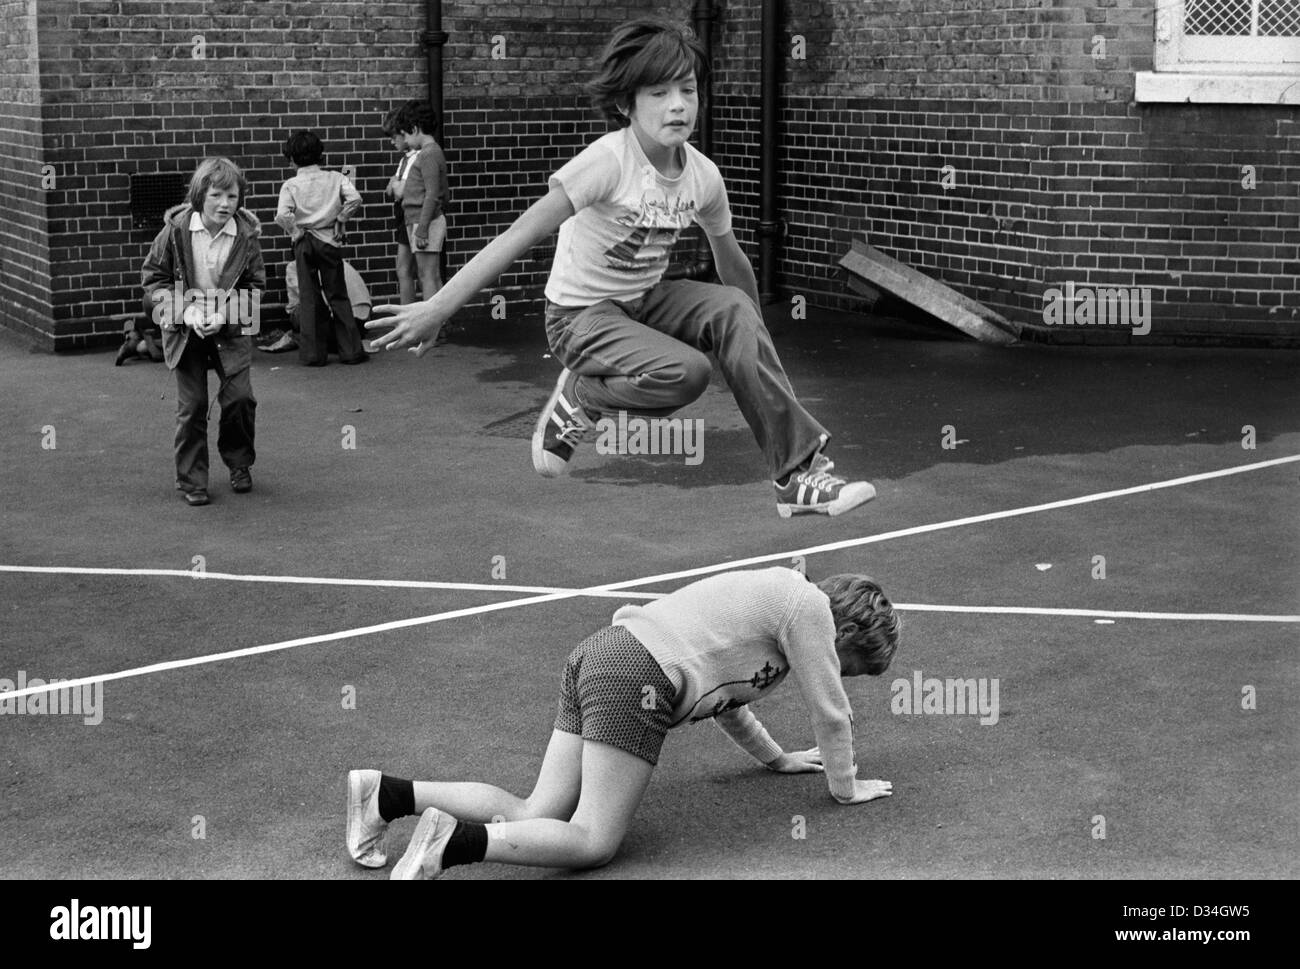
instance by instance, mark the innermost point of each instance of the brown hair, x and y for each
(218, 172)
(640, 54)
(860, 600)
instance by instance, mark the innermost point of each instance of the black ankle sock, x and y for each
(468, 844)
(396, 797)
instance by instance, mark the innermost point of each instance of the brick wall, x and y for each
(1055, 176)
(124, 92)
(24, 251)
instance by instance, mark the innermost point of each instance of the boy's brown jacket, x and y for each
(169, 269)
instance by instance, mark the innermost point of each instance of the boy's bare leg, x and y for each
(613, 783)
(554, 796)
(405, 274)
(430, 272)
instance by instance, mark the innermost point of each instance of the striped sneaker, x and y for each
(814, 490)
(423, 858)
(562, 426)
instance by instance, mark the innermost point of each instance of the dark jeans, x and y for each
(648, 357)
(235, 431)
(314, 257)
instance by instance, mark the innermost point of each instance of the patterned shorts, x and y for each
(614, 692)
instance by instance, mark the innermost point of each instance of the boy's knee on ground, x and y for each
(596, 851)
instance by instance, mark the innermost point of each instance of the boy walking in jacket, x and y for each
(203, 280)
(314, 205)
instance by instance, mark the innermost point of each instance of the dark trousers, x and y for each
(235, 431)
(315, 258)
(649, 357)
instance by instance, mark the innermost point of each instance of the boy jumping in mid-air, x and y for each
(703, 652)
(629, 340)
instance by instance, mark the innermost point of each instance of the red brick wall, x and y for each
(24, 252)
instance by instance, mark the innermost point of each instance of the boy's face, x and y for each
(220, 205)
(664, 114)
(399, 140)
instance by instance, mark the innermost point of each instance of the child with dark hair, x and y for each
(405, 264)
(424, 196)
(703, 652)
(203, 279)
(631, 341)
(314, 205)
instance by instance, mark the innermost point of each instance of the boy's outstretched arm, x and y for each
(733, 266)
(416, 324)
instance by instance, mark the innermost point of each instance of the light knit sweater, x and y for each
(727, 640)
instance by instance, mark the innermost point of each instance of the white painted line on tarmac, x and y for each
(649, 580)
(315, 580)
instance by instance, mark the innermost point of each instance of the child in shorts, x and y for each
(703, 652)
(424, 195)
(629, 340)
(405, 260)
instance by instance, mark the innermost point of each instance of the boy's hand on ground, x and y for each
(798, 762)
(864, 791)
(414, 326)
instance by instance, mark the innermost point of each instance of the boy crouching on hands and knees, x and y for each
(703, 652)
(203, 281)
(629, 340)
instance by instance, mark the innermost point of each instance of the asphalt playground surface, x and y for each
(1140, 721)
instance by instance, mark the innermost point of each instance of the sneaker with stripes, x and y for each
(562, 426)
(814, 490)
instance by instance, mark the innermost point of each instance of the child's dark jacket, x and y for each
(169, 267)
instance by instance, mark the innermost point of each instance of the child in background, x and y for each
(314, 205)
(209, 244)
(703, 652)
(629, 340)
(358, 296)
(405, 259)
(425, 195)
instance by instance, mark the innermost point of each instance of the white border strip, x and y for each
(648, 580)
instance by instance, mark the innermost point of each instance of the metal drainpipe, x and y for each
(434, 38)
(703, 14)
(769, 224)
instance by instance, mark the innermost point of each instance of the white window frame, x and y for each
(1218, 70)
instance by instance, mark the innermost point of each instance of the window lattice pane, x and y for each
(1279, 18)
(1219, 18)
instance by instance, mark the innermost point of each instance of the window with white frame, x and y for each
(1256, 36)
(1230, 51)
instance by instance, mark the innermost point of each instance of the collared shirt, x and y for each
(316, 201)
(404, 166)
(210, 251)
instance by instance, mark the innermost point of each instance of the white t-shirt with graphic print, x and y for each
(626, 218)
